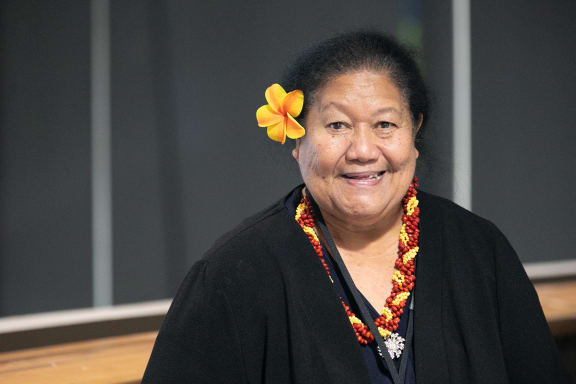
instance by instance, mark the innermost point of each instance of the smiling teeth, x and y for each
(373, 176)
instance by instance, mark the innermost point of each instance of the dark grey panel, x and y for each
(524, 72)
(436, 162)
(45, 156)
(141, 240)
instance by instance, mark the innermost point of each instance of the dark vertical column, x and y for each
(45, 236)
(141, 260)
(436, 161)
(170, 159)
(523, 76)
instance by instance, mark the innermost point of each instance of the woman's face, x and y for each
(358, 158)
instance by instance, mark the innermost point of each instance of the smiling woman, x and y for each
(357, 161)
(291, 295)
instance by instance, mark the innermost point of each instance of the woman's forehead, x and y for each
(362, 89)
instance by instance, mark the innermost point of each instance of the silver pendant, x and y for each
(394, 345)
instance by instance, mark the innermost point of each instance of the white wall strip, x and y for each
(12, 324)
(462, 94)
(551, 269)
(102, 283)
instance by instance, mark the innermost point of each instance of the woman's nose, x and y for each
(363, 146)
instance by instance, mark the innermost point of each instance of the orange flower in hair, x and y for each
(278, 116)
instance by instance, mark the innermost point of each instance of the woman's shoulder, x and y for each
(242, 252)
(253, 229)
(466, 234)
(249, 229)
(450, 215)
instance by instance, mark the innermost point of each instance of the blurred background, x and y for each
(128, 139)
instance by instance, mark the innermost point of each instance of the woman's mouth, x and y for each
(363, 178)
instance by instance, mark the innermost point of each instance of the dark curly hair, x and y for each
(357, 51)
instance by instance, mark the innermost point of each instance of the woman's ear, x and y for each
(419, 124)
(296, 150)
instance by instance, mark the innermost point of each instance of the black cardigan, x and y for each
(259, 309)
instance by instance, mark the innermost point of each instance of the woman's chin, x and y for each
(358, 206)
(362, 213)
(358, 209)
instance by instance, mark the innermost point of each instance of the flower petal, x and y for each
(277, 132)
(266, 116)
(275, 95)
(293, 103)
(293, 129)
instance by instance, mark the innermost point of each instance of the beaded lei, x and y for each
(402, 280)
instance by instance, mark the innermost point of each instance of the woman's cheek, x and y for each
(308, 159)
(401, 154)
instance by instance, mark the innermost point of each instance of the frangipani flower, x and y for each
(278, 116)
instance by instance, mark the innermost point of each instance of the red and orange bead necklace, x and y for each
(403, 278)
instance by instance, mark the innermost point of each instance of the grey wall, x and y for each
(44, 156)
(524, 98)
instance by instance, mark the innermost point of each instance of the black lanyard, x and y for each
(398, 375)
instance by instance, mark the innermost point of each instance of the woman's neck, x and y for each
(363, 236)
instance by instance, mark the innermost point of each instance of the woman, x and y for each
(290, 295)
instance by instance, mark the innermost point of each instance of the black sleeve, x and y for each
(198, 341)
(530, 353)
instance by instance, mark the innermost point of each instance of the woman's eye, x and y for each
(385, 124)
(336, 125)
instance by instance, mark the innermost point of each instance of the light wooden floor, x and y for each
(558, 300)
(111, 360)
(122, 360)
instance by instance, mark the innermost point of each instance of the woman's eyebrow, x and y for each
(343, 108)
(387, 109)
(332, 104)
